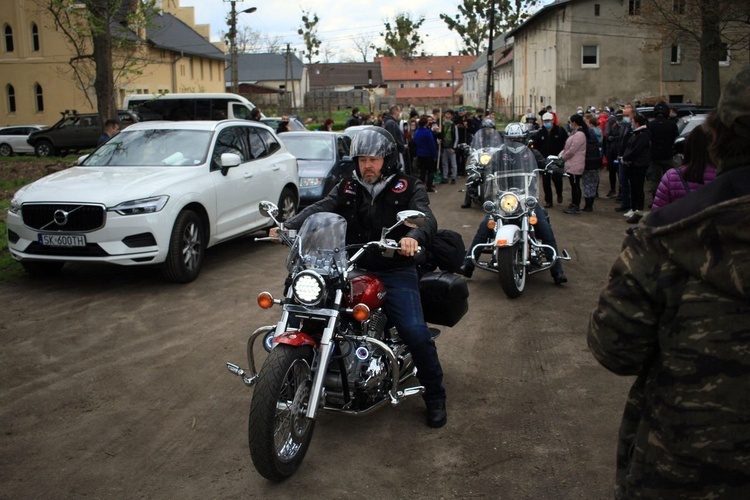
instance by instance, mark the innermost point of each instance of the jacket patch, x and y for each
(400, 186)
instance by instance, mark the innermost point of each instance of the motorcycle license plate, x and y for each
(62, 240)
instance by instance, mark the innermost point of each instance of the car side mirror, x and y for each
(229, 160)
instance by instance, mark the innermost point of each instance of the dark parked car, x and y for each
(682, 110)
(320, 160)
(73, 133)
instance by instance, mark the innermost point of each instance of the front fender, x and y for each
(507, 235)
(296, 339)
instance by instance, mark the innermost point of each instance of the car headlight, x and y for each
(308, 182)
(509, 203)
(143, 206)
(308, 288)
(15, 205)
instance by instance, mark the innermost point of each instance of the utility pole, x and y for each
(233, 55)
(490, 57)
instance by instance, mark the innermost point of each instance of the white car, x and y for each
(13, 139)
(156, 193)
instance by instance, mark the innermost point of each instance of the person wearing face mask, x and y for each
(550, 140)
(574, 156)
(613, 136)
(622, 173)
(636, 159)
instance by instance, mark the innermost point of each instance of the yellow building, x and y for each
(37, 82)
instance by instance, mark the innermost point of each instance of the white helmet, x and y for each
(515, 131)
(488, 123)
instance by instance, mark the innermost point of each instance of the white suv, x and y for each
(158, 192)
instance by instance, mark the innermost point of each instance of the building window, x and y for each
(11, 98)
(634, 7)
(597, 9)
(724, 58)
(34, 37)
(8, 38)
(675, 55)
(39, 95)
(416, 85)
(678, 6)
(590, 56)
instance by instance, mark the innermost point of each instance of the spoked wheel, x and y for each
(278, 428)
(511, 270)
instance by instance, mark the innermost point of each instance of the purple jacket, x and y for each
(671, 187)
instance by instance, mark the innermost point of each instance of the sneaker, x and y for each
(635, 218)
(437, 416)
(431, 190)
(572, 210)
(629, 213)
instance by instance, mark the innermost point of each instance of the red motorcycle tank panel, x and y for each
(366, 289)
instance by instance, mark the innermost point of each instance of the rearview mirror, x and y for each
(411, 218)
(268, 209)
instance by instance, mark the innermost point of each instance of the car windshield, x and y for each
(306, 147)
(320, 244)
(141, 148)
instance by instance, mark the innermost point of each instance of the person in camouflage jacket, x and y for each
(676, 314)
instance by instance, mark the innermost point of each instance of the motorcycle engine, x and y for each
(366, 368)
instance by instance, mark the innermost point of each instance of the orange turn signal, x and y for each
(361, 312)
(532, 220)
(491, 223)
(265, 300)
(501, 242)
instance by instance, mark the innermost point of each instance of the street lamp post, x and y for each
(233, 43)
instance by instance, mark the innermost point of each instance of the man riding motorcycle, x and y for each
(369, 200)
(516, 139)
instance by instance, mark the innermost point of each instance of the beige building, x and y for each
(587, 52)
(37, 82)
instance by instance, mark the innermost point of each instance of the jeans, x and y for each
(575, 189)
(404, 311)
(449, 161)
(542, 231)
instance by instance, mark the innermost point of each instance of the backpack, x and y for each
(593, 153)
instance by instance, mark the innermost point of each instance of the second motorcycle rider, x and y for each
(369, 200)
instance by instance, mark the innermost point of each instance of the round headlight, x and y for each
(484, 159)
(488, 206)
(308, 288)
(509, 203)
(531, 202)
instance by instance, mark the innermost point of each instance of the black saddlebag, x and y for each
(445, 297)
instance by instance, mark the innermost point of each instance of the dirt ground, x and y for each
(114, 385)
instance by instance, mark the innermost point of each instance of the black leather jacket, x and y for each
(366, 217)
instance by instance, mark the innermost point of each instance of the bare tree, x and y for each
(363, 44)
(100, 34)
(711, 27)
(329, 52)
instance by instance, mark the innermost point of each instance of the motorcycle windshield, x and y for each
(487, 138)
(320, 244)
(511, 169)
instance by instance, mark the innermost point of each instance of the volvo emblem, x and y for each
(60, 217)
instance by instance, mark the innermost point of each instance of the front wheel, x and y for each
(279, 431)
(511, 270)
(187, 247)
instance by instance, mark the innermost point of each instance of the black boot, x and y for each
(437, 416)
(467, 268)
(589, 205)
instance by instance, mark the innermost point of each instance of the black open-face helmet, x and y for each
(376, 141)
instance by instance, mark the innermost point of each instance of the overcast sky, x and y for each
(340, 21)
